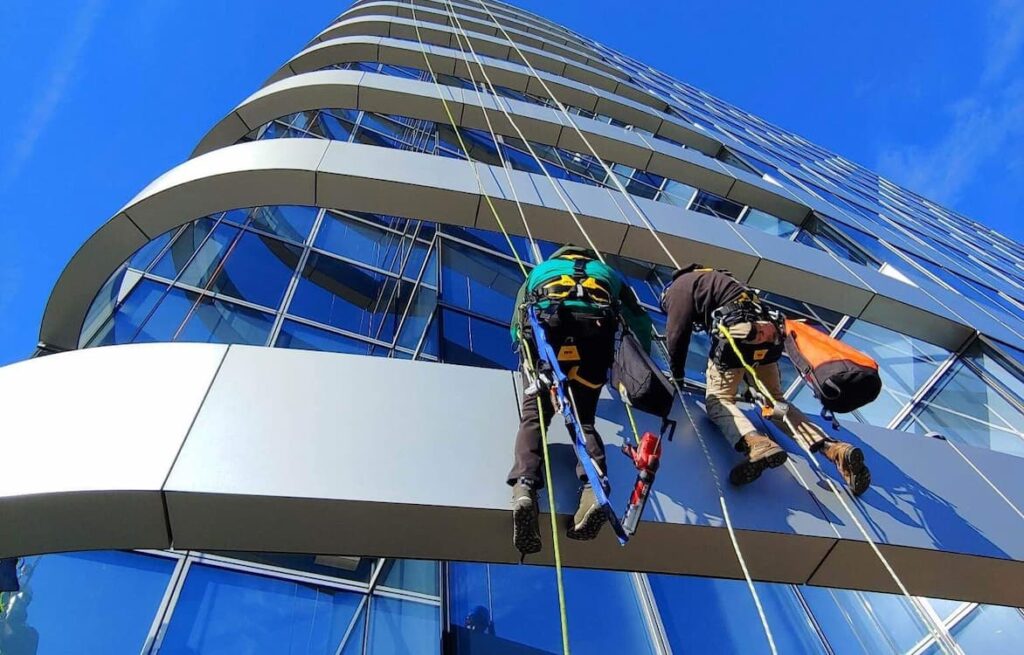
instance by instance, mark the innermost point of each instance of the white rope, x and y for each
(607, 169)
(640, 213)
(497, 145)
(725, 514)
(501, 102)
(728, 521)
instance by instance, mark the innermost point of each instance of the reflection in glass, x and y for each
(991, 629)
(705, 615)
(96, 602)
(123, 326)
(306, 337)
(479, 282)
(864, 623)
(346, 296)
(257, 270)
(977, 402)
(403, 627)
(475, 342)
(224, 611)
(501, 608)
(767, 223)
(420, 576)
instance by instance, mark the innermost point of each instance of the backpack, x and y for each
(639, 379)
(841, 377)
(573, 290)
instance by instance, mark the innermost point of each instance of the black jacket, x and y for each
(689, 300)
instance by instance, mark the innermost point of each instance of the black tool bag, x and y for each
(638, 378)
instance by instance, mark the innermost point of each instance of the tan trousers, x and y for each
(723, 387)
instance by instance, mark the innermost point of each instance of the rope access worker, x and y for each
(578, 302)
(704, 298)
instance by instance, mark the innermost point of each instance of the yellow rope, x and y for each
(563, 614)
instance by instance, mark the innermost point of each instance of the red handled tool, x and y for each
(646, 457)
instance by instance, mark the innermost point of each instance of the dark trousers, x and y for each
(596, 354)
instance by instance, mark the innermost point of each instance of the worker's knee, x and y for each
(719, 404)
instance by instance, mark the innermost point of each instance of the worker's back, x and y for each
(705, 289)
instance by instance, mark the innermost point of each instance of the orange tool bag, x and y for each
(842, 377)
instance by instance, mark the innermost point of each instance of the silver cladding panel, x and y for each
(89, 438)
(294, 451)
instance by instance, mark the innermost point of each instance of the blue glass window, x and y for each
(768, 224)
(144, 256)
(96, 602)
(346, 296)
(705, 615)
(365, 243)
(420, 576)
(677, 193)
(990, 629)
(172, 262)
(403, 627)
(709, 203)
(644, 184)
(857, 622)
(217, 321)
(817, 234)
(478, 281)
(257, 269)
(977, 402)
(495, 608)
(123, 325)
(496, 241)
(229, 612)
(475, 342)
(205, 263)
(290, 222)
(305, 337)
(420, 313)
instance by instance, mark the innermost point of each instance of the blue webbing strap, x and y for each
(547, 353)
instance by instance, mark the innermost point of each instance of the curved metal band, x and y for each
(368, 178)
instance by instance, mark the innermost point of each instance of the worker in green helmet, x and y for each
(579, 302)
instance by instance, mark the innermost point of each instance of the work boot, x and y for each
(525, 526)
(761, 453)
(849, 461)
(589, 517)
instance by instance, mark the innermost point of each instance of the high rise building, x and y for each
(352, 205)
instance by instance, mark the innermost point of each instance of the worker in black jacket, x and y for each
(703, 298)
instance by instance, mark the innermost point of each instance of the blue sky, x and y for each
(103, 96)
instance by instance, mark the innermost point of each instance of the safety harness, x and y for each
(580, 294)
(757, 348)
(562, 400)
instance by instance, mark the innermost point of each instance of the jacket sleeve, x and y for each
(636, 317)
(678, 330)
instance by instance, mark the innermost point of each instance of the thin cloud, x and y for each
(980, 131)
(984, 126)
(67, 59)
(1006, 22)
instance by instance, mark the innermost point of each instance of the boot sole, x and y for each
(856, 476)
(525, 531)
(590, 526)
(747, 472)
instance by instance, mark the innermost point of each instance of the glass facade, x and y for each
(343, 281)
(243, 604)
